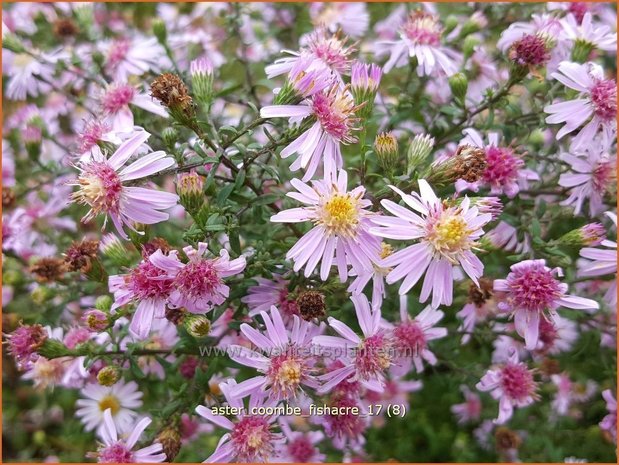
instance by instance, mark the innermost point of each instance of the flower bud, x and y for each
(201, 71)
(364, 82)
(13, 43)
(41, 294)
(108, 376)
(458, 83)
(386, 149)
(169, 136)
(589, 235)
(53, 348)
(95, 320)
(197, 325)
(113, 248)
(529, 53)
(160, 31)
(418, 151)
(490, 205)
(104, 303)
(311, 304)
(468, 46)
(170, 440)
(582, 50)
(190, 188)
(450, 23)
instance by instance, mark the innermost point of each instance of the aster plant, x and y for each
(288, 232)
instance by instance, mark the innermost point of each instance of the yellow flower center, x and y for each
(385, 250)
(22, 60)
(290, 372)
(254, 440)
(109, 402)
(340, 215)
(91, 190)
(450, 235)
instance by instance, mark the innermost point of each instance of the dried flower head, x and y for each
(49, 269)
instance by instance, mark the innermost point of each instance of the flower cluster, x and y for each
(238, 232)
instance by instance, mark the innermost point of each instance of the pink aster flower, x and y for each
(505, 171)
(585, 31)
(420, 38)
(352, 18)
(446, 235)
(251, 437)
(533, 292)
(125, 57)
(340, 233)
(377, 274)
(470, 410)
(23, 344)
(270, 293)
(91, 134)
(609, 423)
(121, 399)
(198, 284)
(334, 120)
(569, 392)
(28, 76)
(102, 186)
(505, 236)
(556, 336)
(283, 358)
(592, 176)
(365, 358)
(150, 285)
(411, 338)
(300, 447)
(596, 104)
(512, 385)
(119, 450)
(115, 101)
(326, 50)
(602, 262)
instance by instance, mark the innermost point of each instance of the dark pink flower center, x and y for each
(116, 453)
(118, 52)
(347, 425)
(100, 187)
(373, 356)
(517, 381)
(410, 338)
(149, 282)
(198, 279)
(117, 97)
(604, 98)
(76, 336)
(501, 166)
(578, 9)
(423, 29)
(547, 333)
(533, 288)
(92, 134)
(335, 112)
(301, 449)
(603, 174)
(330, 50)
(252, 439)
(530, 50)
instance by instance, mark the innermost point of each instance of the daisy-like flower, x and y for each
(341, 227)
(149, 285)
(326, 49)
(300, 447)
(287, 364)
(365, 358)
(602, 262)
(556, 336)
(115, 449)
(504, 173)
(121, 400)
(596, 104)
(512, 385)
(270, 293)
(28, 76)
(446, 234)
(377, 274)
(91, 134)
(102, 186)
(592, 176)
(412, 335)
(198, 284)
(115, 101)
(125, 57)
(609, 423)
(533, 292)
(333, 112)
(569, 392)
(420, 38)
(251, 438)
(470, 410)
(585, 33)
(480, 306)
(352, 18)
